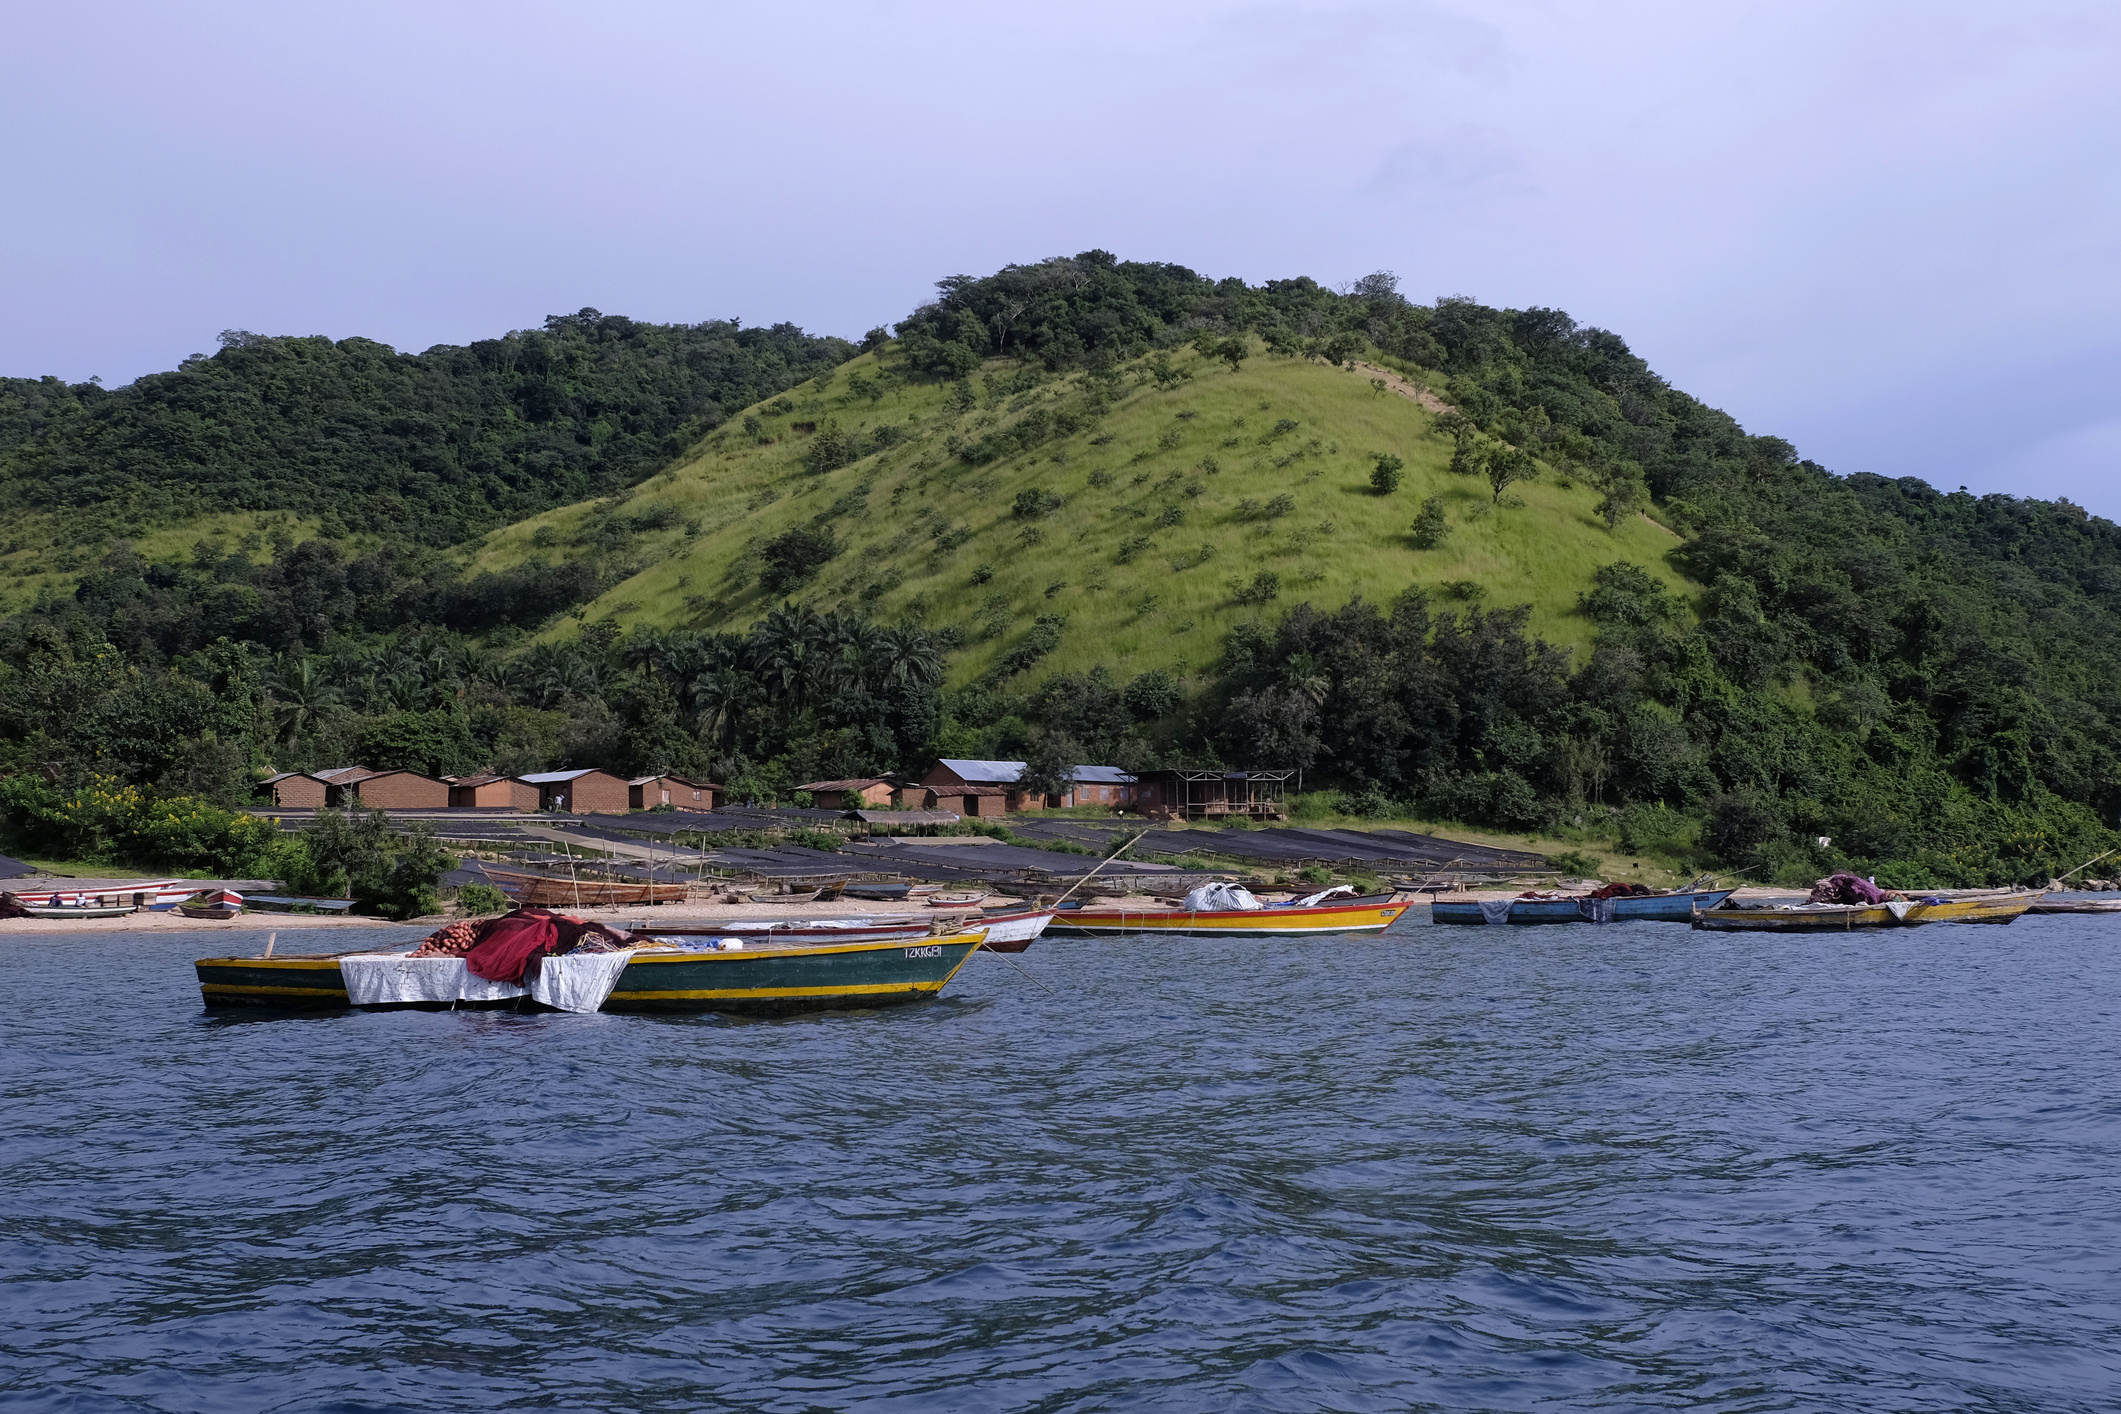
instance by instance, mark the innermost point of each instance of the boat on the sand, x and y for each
(1372, 913)
(1676, 907)
(1844, 917)
(63, 910)
(214, 905)
(753, 977)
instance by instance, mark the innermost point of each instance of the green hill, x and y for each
(352, 439)
(1083, 509)
(1144, 513)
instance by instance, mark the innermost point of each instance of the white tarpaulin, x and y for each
(1219, 898)
(1313, 900)
(573, 982)
(578, 981)
(395, 979)
(1495, 910)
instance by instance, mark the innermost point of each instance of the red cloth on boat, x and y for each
(1845, 888)
(1622, 891)
(507, 945)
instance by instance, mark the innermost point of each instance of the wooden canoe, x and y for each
(758, 979)
(1629, 908)
(1011, 930)
(1843, 917)
(1359, 915)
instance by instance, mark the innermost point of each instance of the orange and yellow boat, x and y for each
(1371, 914)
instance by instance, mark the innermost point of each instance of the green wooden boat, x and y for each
(756, 980)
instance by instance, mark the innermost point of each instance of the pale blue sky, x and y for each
(1887, 232)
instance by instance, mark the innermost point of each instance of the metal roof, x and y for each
(1010, 772)
(546, 778)
(1102, 776)
(1001, 773)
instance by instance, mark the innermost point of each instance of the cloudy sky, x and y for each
(1888, 232)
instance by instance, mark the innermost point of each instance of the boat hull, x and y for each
(1012, 932)
(1654, 908)
(271, 983)
(809, 932)
(788, 981)
(766, 981)
(212, 913)
(1837, 917)
(1234, 923)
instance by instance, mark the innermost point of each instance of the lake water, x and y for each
(1632, 1167)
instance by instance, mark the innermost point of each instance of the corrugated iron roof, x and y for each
(546, 778)
(995, 772)
(1102, 776)
(860, 783)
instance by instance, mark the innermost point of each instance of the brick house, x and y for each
(581, 792)
(293, 790)
(1093, 785)
(395, 790)
(487, 791)
(306, 790)
(863, 793)
(677, 792)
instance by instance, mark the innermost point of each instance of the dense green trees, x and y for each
(1926, 681)
(428, 448)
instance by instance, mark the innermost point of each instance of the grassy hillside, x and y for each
(1167, 526)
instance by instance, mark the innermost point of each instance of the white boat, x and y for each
(1012, 930)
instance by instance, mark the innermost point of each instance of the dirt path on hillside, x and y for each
(1395, 383)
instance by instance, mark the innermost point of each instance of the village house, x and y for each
(306, 790)
(677, 792)
(392, 790)
(490, 792)
(864, 793)
(580, 792)
(973, 781)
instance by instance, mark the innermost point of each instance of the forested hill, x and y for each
(427, 448)
(1122, 512)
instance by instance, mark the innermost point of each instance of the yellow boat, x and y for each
(757, 979)
(1842, 917)
(1373, 914)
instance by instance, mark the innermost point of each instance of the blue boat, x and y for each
(1640, 908)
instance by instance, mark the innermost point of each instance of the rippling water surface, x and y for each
(1622, 1167)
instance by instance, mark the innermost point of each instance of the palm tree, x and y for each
(646, 651)
(720, 696)
(302, 696)
(914, 661)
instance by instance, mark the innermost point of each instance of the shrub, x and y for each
(1281, 505)
(1385, 476)
(106, 820)
(385, 871)
(1152, 695)
(1576, 864)
(1739, 824)
(1035, 502)
(479, 900)
(982, 573)
(1171, 515)
(1264, 589)
(792, 558)
(1431, 525)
